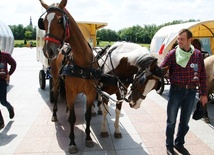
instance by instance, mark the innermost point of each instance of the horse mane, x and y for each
(145, 61)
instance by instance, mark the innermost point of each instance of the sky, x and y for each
(118, 14)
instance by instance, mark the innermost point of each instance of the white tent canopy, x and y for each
(6, 38)
(165, 37)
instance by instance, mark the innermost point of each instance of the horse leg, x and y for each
(55, 65)
(104, 132)
(88, 140)
(56, 94)
(72, 119)
(93, 113)
(99, 104)
(117, 133)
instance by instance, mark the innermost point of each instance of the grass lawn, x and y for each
(105, 43)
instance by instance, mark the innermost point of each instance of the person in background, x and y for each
(197, 44)
(5, 60)
(186, 73)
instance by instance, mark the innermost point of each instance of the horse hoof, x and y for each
(104, 134)
(89, 143)
(73, 149)
(54, 119)
(93, 114)
(206, 120)
(118, 135)
(100, 112)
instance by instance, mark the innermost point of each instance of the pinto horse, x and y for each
(209, 67)
(124, 64)
(60, 27)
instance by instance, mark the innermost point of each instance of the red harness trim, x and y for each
(53, 40)
(67, 31)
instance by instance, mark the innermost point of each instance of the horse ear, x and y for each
(165, 69)
(153, 64)
(62, 4)
(44, 4)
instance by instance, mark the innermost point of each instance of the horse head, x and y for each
(56, 26)
(147, 78)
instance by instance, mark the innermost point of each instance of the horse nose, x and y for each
(129, 98)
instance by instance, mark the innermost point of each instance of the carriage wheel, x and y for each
(51, 92)
(160, 91)
(42, 79)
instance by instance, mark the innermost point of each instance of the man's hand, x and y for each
(203, 99)
(7, 77)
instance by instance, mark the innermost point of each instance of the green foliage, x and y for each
(20, 32)
(28, 34)
(136, 33)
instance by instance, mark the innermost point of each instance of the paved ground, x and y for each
(32, 133)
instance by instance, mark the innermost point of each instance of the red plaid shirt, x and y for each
(5, 59)
(184, 76)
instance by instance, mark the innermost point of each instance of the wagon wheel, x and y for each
(51, 92)
(160, 91)
(42, 79)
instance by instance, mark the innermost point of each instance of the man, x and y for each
(186, 73)
(5, 60)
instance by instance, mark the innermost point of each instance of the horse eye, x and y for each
(60, 20)
(142, 80)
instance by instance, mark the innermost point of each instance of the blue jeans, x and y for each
(179, 98)
(3, 94)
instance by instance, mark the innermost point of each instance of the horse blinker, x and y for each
(41, 24)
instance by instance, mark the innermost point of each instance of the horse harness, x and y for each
(145, 72)
(70, 68)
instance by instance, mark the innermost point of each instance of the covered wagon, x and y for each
(6, 38)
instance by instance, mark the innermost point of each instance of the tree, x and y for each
(19, 32)
(107, 35)
(28, 35)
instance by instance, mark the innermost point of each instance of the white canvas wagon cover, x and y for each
(165, 37)
(6, 38)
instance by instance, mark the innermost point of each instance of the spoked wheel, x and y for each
(51, 92)
(160, 91)
(42, 79)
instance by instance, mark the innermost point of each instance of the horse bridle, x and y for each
(65, 21)
(141, 77)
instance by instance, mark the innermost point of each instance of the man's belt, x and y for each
(185, 86)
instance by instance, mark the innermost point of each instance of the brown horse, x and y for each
(125, 64)
(60, 27)
(209, 66)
